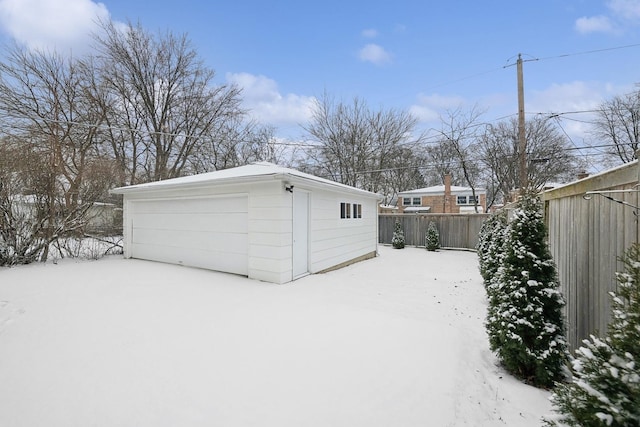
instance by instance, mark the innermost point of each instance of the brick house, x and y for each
(445, 198)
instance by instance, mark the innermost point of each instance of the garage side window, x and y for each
(345, 210)
(348, 210)
(357, 210)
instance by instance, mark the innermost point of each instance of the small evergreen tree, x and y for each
(606, 372)
(525, 322)
(398, 235)
(490, 245)
(432, 239)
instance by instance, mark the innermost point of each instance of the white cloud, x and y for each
(621, 14)
(375, 54)
(429, 108)
(594, 24)
(573, 101)
(370, 33)
(625, 9)
(572, 96)
(51, 24)
(262, 97)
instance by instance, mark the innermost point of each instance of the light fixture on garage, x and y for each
(288, 187)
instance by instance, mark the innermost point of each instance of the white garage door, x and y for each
(199, 232)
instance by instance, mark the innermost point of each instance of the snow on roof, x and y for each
(418, 209)
(470, 209)
(251, 172)
(595, 175)
(439, 189)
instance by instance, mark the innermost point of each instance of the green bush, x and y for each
(525, 323)
(490, 245)
(432, 239)
(398, 236)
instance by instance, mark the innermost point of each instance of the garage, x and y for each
(206, 232)
(261, 220)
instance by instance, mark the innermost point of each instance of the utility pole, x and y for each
(522, 140)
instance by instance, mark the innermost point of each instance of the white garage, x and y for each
(261, 220)
(207, 232)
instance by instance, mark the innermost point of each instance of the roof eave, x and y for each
(282, 176)
(154, 187)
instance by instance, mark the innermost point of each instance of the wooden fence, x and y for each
(587, 235)
(455, 230)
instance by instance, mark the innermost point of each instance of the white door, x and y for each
(300, 233)
(206, 232)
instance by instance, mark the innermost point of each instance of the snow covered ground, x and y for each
(393, 341)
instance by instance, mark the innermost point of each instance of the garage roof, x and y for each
(252, 172)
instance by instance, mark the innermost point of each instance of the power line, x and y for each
(431, 139)
(588, 52)
(560, 56)
(557, 119)
(427, 140)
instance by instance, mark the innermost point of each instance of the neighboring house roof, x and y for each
(440, 189)
(470, 209)
(252, 172)
(417, 209)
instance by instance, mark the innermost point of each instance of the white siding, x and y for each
(270, 232)
(335, 240)
(207, 232)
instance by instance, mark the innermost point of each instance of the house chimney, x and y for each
(447, 184)
(447, 193)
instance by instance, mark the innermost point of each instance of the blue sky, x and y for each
(420, 56)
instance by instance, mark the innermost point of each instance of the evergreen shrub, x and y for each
(432, 239)
(398, 235)
(525, 323)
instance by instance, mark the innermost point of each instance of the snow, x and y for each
(397, 340)
(248, 173)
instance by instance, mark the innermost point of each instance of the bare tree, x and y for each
(498, 155)
(23, 217)
(406, 175)
(240, 142)
(457, 142)
(358, 146)
(260, 144)
(548, 156)
(46, 110)
(164, 105)
(618, 123)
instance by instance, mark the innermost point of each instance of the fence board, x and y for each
(455, 230)
(586, 238)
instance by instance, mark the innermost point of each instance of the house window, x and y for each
(467, 200)
(411, 201)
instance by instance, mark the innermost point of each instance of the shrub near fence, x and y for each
(456, 230)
